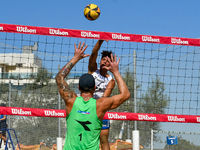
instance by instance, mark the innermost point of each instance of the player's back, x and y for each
(83, 126)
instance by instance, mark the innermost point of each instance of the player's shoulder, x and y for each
(70, 101)
(94, 72)
(104, 103)
(110, 77)
(97, 71)
(103, 100)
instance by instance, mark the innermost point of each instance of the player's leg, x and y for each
(3, 125)
(104, 139)
(1, 132)
(4, 138)
(104, 135)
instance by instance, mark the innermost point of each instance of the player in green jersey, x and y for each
(85, 114)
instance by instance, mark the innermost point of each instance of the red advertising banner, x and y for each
(98, 35)
(35, 112)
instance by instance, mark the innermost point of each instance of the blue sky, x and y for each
(174, 18)
(179, 18)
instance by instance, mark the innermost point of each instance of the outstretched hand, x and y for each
(79, 52)
(113, 67)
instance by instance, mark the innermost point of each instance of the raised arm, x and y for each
(117, 100)
(113, 102)
(92, 66)
(63, 87)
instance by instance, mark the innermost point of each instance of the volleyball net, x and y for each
(162, 74)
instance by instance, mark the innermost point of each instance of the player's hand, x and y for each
(113, 67)
(79, 52)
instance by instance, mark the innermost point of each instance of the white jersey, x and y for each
(101, 83)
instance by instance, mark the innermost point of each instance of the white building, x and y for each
(19, 68)
(19, 65)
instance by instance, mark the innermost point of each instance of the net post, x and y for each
(128, 133)
(136, 142)
(135, 87)
(59, 143)
(59, 130)
(151, 139)
(9, 101)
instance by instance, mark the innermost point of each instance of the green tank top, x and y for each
(83, 126)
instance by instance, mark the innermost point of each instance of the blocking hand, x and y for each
(79, 52)
(113, 67)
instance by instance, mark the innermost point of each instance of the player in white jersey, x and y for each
(101, 83)
(104, 86)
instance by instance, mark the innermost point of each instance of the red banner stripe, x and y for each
(35, 112)
(98, 35)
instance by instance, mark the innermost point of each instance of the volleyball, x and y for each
(91, 12)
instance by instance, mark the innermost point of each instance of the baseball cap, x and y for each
(86, 82)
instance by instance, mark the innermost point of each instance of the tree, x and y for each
(182, 145)
(153, 101)
(43, 76)
(4, 89)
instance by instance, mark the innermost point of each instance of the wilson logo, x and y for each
(175, 118)
(57, 32)
(25, 30)
(150, 39)
(1, 28)
(198, 119)
(120, 37)
(146, 117)
(20, 112)
(53, 113)
(89, 34)
(178, 41)
(116, 116)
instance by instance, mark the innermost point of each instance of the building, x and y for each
(22, 68)
(19, 66)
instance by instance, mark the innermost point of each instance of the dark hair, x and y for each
(106, 53)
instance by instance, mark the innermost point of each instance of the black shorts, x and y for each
(3, 127)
